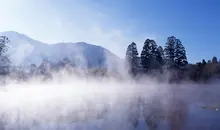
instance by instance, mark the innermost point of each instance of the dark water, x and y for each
(198, 119)
(203, 119)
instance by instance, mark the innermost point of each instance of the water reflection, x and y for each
(176, 114)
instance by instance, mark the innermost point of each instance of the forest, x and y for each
(157, 61)
(163, 63)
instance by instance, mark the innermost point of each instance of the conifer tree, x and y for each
(180, 55)
(132, 59)
(169, 52)
(204, 62)
(149, 55)
(3, 44)
(214, 60)
(160, 56)
(4, 60)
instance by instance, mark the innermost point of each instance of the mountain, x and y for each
(24, 50)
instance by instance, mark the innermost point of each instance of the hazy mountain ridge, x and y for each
(25, 50)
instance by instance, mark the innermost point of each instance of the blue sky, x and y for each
(114, 24)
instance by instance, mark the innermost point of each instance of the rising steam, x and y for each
(73, 102)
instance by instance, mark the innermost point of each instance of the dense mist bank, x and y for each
(79, 102)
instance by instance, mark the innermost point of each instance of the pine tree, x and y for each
(4, 60)
(169, 52)
(160, 56)
(3, 44)
(214, 60)
(204, 62)
(149, 56)
(180, 55)
(132, 59)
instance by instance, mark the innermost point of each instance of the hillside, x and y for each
(25, 50)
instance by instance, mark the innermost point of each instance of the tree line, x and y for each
(169, 60)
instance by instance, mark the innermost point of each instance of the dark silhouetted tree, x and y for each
(132, 59)
(214, 60)
(180, 55)
(169, 52)
(204, 62)
(149, 56)
(160, 56)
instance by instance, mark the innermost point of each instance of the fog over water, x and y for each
(77, 103)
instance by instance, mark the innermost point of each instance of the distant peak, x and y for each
(87, 44)
(12, 33)
(16, 36)
(81, 43)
